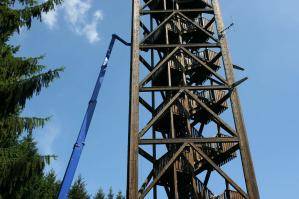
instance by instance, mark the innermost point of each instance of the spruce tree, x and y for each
(100, 194)
(119, 195)
(48, 187)
(110, 194)
(78, 190)
(21, 166)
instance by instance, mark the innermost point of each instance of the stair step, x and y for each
(229, 194)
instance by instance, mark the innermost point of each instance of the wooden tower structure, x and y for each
(185, 118)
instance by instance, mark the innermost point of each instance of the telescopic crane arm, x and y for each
(78, 147)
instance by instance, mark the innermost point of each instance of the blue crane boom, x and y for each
(78, 147)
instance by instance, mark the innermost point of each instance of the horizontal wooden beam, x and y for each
(173, 88)
(205, 10)
(188, 140)
(196, 45)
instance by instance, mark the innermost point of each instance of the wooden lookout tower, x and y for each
(185, 119)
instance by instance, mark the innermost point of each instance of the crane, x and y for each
(80, 142)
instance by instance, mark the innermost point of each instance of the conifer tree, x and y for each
(48, 186)
(78, 190)
(110, 194)
(119, 195)
(21, 166)
(100, 194)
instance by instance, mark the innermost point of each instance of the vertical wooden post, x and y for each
(132, 173)
(247, 163)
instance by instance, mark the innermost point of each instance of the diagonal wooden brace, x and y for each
(154, 119)
(171, 161)
(156, 68)
(215, 117)
(205, 65)
(219, 170)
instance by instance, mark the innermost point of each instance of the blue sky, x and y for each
(263, 40)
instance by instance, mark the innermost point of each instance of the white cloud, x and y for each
(78, 14)
(46, 141)
(98, 15)
(46, 138)
(90, 30)
(76, 11)
(50, 18)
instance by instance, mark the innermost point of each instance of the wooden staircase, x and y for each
(191, 32)
(204, 192)
(229, 194)
(196, 74)
(220, 153)
(211, 99)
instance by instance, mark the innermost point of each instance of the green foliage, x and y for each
(20, 77)
(13, 126)
(100, 194)
(119, 195)
(78, 190)
(21, 166)
(48, 187)
(12, 18)
(22, 174)
(17, 173)
(110, 194)
(45, 186)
